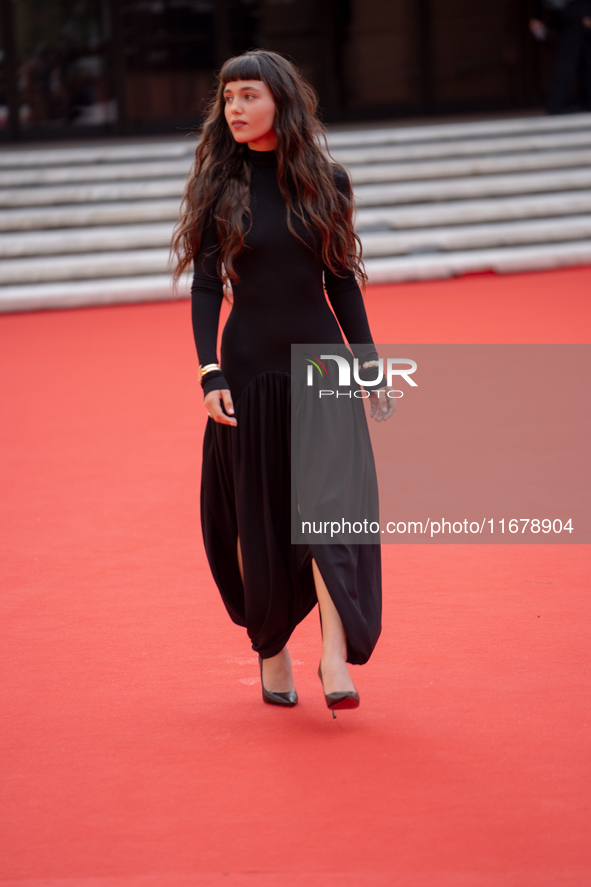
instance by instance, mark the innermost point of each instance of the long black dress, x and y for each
(245, 491)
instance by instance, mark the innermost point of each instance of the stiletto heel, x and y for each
(289, 698)
(346, 699)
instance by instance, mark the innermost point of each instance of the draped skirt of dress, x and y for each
(246, 495)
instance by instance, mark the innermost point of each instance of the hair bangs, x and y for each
(242, 67)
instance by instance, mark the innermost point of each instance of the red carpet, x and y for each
(136, 751)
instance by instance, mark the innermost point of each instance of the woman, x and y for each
(265, 209)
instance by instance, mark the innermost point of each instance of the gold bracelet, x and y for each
(210, 368)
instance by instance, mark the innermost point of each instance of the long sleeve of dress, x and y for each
(346, 297)
(207, 293)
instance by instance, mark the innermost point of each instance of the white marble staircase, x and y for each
(91, 225)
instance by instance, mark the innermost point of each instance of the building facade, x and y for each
(97, 67)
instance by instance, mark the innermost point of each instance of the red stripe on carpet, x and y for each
(135, 748)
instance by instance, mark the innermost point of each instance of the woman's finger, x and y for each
(382, 406)
(213, 405)
(386, 411)
(373, 403)
(227, 401)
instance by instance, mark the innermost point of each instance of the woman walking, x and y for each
(266, 209)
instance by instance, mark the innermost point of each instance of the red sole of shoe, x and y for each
(344, 703)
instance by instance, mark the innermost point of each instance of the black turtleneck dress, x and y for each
(246, 480)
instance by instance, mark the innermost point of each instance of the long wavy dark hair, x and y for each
(218, 185)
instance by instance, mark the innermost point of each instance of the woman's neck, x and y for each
(262, 158)
(267, 142)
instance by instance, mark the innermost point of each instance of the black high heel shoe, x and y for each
(289, 699)
(346, 699)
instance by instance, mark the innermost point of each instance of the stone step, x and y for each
(367, 195)
(172, 149)
(105, 291)
(133, 262)
(107, 172)
(470, 166)
(464, 237)
(85, 266)
(52, 195)
(471, 187)
(68, 241)
(122, 213)
(458, 212)
(126, 181)
(142, 288)
(141, 239)
(437, 132)
(543, 152)
(91, 224)
(509, 260)
(462, 148)
(184, 146)
(71, 216)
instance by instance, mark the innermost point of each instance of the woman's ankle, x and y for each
(334, 655)
(278, 668)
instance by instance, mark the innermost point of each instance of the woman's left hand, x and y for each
(382, 405)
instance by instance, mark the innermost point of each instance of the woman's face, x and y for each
(250, 113)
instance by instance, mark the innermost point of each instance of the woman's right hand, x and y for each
(214, 401)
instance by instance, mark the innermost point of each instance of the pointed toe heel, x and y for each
(339, 701)
(288, 699)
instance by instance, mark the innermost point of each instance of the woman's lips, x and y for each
(239, 123)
